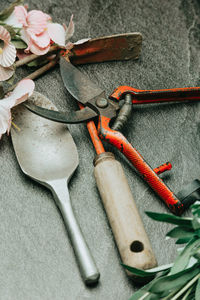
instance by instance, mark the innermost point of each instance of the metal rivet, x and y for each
(102, 102)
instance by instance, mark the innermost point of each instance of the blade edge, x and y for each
(77, 83)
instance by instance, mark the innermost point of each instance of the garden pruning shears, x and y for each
(97, 105)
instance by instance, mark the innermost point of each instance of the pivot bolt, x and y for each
(102, 102)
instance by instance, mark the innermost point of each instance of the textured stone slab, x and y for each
(37, 260)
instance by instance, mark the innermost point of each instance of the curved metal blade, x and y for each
(79, 86)
(62, 117)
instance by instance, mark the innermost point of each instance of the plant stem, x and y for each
(169, 296)
(32, 57)
(186, 287)
(43, 69)
(38, 72)
(187, 294)
(144, 296)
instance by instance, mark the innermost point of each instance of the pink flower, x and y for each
(37, 30)
(23, 90)
(7, 55)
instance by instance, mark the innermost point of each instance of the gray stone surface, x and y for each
(37, 260)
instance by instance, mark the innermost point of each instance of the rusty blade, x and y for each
(77, 83)
(72, 117)
(108, 48)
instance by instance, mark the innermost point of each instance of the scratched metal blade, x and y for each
(72, 117)
(79, 86)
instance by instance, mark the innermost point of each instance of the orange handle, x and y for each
(117, 139)
(94, 135)
(157, 96)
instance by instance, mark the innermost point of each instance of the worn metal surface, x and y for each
(37, 261)
(116, 47)
(46, 152)
(78, 85)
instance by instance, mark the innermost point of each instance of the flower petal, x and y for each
(6, 73)
(37, 50)
(23, 90)
(13, 21)
(48, 17)
(56, 33)
(82, 41)
(37, 21)
(5, 120)
(42, 40)
(32, 46)
(4, 35)
(26, 38)
(70, 30)
(21, 14)
(8, 56)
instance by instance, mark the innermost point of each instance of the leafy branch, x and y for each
(181, 279)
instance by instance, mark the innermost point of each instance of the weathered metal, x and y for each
(108, 48)
(47, 153)
(75, 86)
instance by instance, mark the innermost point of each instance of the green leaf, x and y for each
(186, 222)
(174, 281)
(196, 208)
(197, 292)
(40, 61)
(11, 79)
(19, 44)
(147, 273)
(183, 241)
(139, 294)
(10, 30)
(144, 294)
(4, 14)
(189, 295)
(144, 290)
(1, 91)
(198, 232)
(152, 297)
(196, 222)
(196, 255)
(192, 261)
(181, 232)
(183, 258)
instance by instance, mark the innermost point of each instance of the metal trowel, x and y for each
(47, 153)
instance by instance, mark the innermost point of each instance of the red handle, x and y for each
(157, 96)
(120, 142)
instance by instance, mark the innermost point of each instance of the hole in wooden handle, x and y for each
(137, 246)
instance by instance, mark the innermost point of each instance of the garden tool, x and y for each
(128, 229)
(47, 153)
(123, 46)
(97, 105)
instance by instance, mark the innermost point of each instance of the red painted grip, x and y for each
(120, 142)
(157, 96)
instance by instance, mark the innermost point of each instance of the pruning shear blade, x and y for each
(77, 83)
(62, 117)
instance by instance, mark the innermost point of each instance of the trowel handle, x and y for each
(124, 218)
(85, 260)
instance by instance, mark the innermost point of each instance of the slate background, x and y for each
(36, 258)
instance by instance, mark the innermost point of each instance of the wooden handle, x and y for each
(124, 218)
